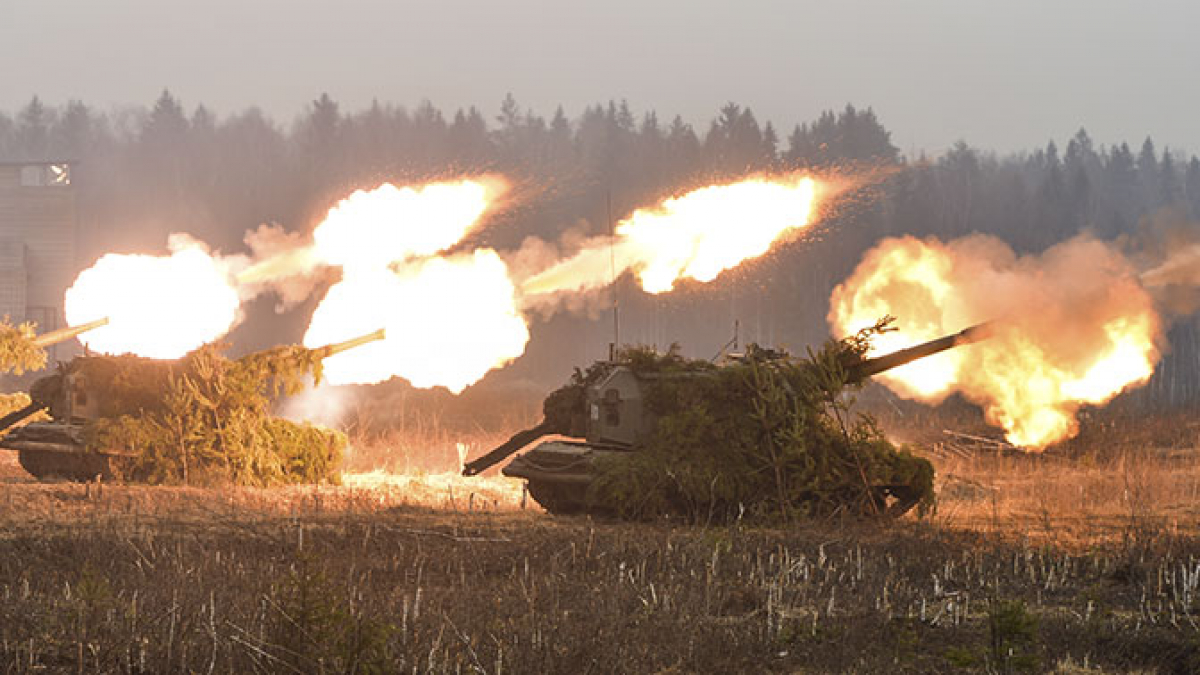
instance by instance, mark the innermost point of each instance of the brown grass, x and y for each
(1050, 499)
(1087, 564)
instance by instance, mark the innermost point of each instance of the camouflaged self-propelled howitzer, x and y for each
(92, 389)
(608, 408)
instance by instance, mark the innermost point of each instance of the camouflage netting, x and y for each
(18, 353)
(767, 437)
(206, 418)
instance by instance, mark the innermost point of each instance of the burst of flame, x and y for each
(449, 320)
(1077, 327)
(908, 280)
(697, 236)
(158, 306)
(452, 318)
(374, 228)
(379, 227)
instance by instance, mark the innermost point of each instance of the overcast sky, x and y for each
(1004, 75)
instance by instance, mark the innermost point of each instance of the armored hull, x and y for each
(49, 450)
(559, 473)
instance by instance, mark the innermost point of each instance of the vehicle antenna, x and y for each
(732, 343)
(612, 263)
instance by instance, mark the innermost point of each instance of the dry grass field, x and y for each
(1081, 564)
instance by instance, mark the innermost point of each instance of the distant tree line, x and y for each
(145, 172)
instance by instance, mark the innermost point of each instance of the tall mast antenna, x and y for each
(612, 265)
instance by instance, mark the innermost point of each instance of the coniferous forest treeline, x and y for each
(143, 173)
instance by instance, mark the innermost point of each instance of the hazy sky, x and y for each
(1005, 75)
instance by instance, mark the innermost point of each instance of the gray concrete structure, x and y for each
(38, 230)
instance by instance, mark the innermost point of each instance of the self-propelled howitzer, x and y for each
(103, 409)
(610, 408)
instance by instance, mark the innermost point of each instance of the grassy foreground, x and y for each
(353, 579)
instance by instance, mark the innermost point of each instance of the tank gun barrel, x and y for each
(874, 366)
(338, 347)
(63, 334)
(561, 413)
(18, 415)
(518, 441)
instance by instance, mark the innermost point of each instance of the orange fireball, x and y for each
(449, 318)
(374, 228)
(697, 236)
(158, 306)
(1077, 326)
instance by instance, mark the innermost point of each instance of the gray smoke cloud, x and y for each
(281, 262)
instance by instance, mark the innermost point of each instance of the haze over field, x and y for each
(1003, 76)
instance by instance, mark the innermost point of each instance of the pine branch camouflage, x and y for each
(766, 436)
(207, 418)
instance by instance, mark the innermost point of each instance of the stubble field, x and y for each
(1030, 564)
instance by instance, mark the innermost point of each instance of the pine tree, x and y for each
(1054, 223)
(77, 132)
(166, 127)
(683, 147)
(33, 130)
(164, 161)
(7, 135)
(510, 114)
(320, 129)
(770, 143)
(429, 138)
(1192, 186)
(1123, 190)
(624, 117)
(1170, 188)
(734, 143)
(1147, 166)
(960, 178)
(851, 136)
(469, 140)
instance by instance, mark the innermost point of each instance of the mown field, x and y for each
(1029, 565)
